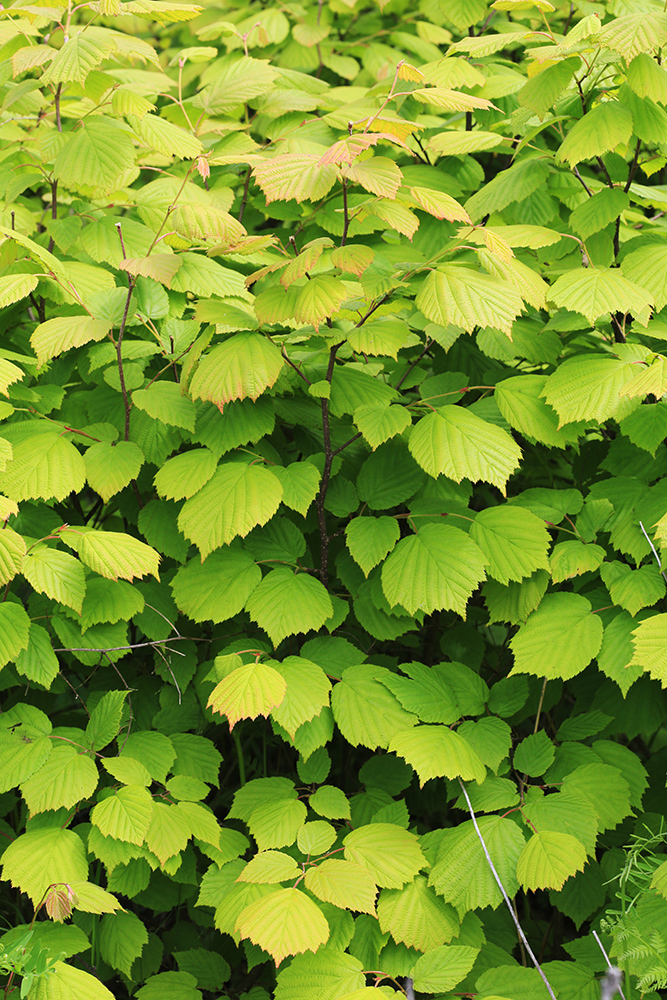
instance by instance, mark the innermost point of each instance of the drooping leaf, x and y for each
(285, 922)
(236, 499)
(251, 690)
(548, 859)
(455, 442)
(287, 603)
(559, 639)
(243, 367)
(438, 567)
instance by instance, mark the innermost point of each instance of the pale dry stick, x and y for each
(496, 876)
(654, 551)
(611, 984)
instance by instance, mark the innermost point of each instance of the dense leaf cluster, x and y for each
(333, 498)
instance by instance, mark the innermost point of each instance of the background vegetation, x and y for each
(333, 498)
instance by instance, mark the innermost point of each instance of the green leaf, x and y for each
(162, 135)
(307, 692)
(647, 426)
(534, 754)
(316, 837)
(343, 883)
(330, 802)
(183, 476)
(437, 751)
(104, 722)
(443, 968)
(596, 213)
(549, 859)
(462, 874)
(391, 855)
(559, 639)
(64, 982)
(165, 401)
(455, 442)
(125, 815)
(300, 482)
(56, 574)
(380, 423)
(597, 291)
(251, 690)
(96, 158)
(67, 777)
(38, 859)
(544, 88)
(633, 589)
(438, 567)
(457, 294)
(517, 183)
(602, 129)
(169, 985)
(574, 558)
(14, 287)
(167, 835)
(615, 658)
(270, 867)
(243, 367)
(520, 402)
(12, 551)
(58, 335)
(109, 601)
(426, 692)
(45, 466)
(110, 467)
(514, 542)
(14, 632)
(365, 711)
(208, 967)
(370, 539)
(416, 917)
(634, 33)
(218, 588)
(287, 603)
(122, 939)
(285, 922)
(650, 650)
(645, 268)
(236, 499)
(388, 477)
(605, 788)
(37, 661)
(112, 554)
(319, 299)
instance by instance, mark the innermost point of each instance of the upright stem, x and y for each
(346, 214)
(326, 473)
(119, 343)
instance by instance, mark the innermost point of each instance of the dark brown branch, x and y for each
(347, 443)
(633, 167)
(295, 367)
(326, 473)
(414, 363)
(244, 197)
(119, 343)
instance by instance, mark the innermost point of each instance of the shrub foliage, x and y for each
(333, 498)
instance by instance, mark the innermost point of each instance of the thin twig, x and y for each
(496, 876)
(539, 707)
(611, 983)
(654, 551)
